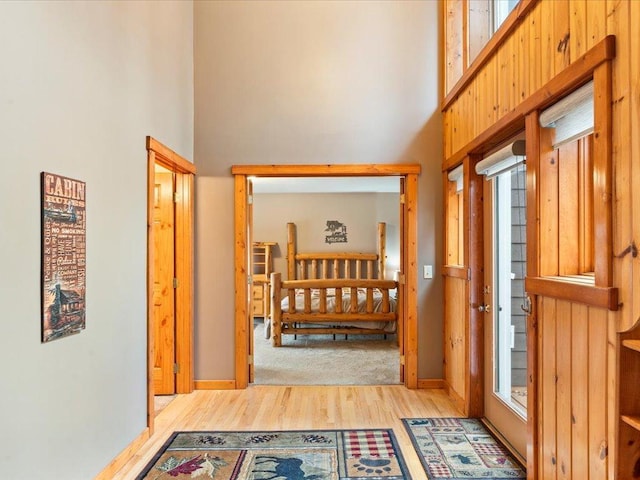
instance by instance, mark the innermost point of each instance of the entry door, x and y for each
(163, 284)
(505, 395)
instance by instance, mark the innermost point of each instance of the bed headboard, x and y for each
(302, 266)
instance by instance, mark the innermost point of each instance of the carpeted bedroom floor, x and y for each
(320, 360)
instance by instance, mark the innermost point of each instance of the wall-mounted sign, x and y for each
(63, 256)
(337, 232)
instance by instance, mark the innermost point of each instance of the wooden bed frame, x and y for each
(314, 274)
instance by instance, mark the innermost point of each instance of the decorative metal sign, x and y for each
(338, 232)
(63, 256)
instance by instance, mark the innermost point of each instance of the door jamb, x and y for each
(185, 171)
(409, 171)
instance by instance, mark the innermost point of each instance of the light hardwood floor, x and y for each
(296, 408)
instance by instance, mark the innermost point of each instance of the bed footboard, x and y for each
(328, 304)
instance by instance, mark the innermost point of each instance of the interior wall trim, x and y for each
(572, 77)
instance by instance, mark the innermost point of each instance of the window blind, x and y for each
(456, 175)
(572, 117)
(503, 160)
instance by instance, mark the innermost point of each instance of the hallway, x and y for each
(297, 408)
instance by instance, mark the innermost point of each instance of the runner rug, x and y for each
(271, 455)
(460, 448)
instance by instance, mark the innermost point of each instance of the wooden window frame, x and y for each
(600, 292)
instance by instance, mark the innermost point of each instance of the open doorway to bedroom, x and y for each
(327, 216)
(406, 174)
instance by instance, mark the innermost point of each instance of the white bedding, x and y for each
(389, 327)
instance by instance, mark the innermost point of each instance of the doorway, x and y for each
(408, 279)
(504, 305)
(170, 212)
(292, 213)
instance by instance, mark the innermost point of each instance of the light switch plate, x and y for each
(427, 271)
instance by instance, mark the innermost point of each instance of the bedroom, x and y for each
(310, 205)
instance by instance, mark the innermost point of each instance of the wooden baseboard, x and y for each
(117, 463)
(430, 383)
(455, 397)
(215, 384)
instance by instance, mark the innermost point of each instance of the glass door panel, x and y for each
(505, 320)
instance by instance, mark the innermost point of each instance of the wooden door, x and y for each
(400, 306)
(163, 283)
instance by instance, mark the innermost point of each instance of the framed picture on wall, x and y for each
(337, 232)
(63, 256)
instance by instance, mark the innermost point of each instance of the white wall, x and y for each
(81, 85)
(300, 82)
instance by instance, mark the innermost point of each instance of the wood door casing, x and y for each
(184, 171)
(409, 172)
(163, 288)
(250, 346)
(400, 306)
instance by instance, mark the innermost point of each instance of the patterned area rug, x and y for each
(460, 448)
(288, 455)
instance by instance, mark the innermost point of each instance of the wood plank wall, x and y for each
(573, 432)
(578, 413)
(455, 334)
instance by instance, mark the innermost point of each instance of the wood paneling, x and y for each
(455, 333)
(512, 22)
(617, 17)
(633, 146)
(554, 47)
(453, 42)
(549, 214)
(580, 393)
(547, 388)
(508, 125)
(454, 233)
(572, 364)
(601, 394)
